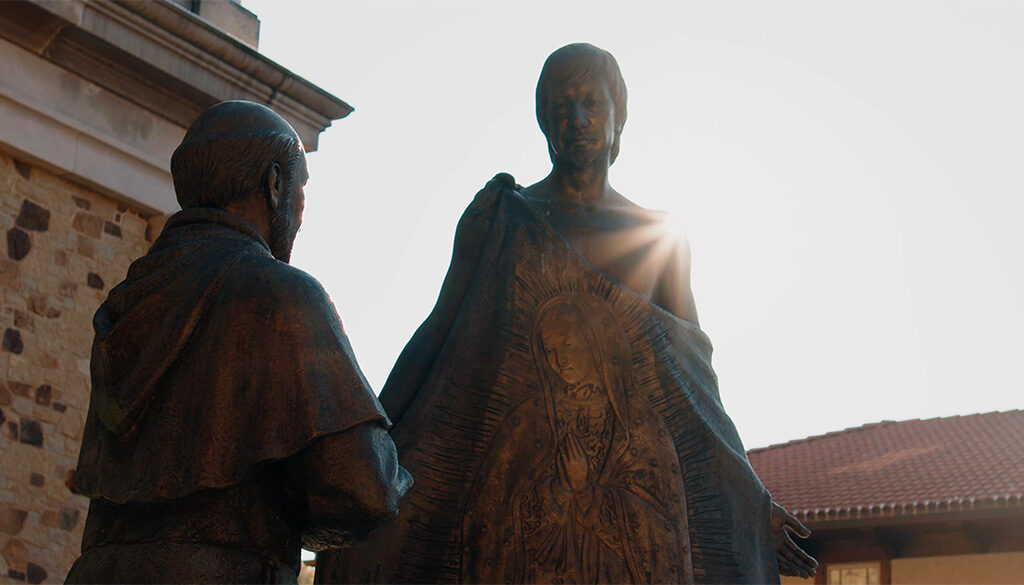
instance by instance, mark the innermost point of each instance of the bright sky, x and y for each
(848, 174)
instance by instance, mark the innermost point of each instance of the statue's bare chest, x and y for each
(622, 244)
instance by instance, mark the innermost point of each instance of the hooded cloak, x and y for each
(211, 358)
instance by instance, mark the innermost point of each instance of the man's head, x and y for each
(237, 151)
(581, 104)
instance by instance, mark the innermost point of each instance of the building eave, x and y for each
(165, 59)
(916, 512)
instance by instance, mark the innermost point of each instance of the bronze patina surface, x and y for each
(558, 407)
(229, 423)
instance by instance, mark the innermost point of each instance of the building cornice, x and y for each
(165, 59)
(84, 133)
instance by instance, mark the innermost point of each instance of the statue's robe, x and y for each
(673, 498)
(213, 364)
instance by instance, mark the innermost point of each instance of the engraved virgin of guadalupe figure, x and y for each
(558, 408)
(596, 495)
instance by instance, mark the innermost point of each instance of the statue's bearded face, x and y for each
(581, 128)
(287, 218)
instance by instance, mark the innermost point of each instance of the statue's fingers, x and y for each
(793, 568)
(786, 553)
(489, 194)
(796, 526)
(790, 556)
(484, 199)
(805, 572)
(799, 559)
(502, 181)
(787, 568)
(577, 447)
(560, 466)
(568, 448)
(801, 554)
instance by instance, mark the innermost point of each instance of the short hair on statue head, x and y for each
(582, 59)
(217, 170)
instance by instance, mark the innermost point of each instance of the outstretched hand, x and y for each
(793, 560)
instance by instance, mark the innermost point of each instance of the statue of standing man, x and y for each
(229, 424)
(558, 407)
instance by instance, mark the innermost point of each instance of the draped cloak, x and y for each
(674, 500)
(211, 361)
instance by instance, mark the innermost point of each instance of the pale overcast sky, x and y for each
(848, 174)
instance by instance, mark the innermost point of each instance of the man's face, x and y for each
(581, 120)
(285, 223)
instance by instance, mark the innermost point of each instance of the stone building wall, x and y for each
(64, 247)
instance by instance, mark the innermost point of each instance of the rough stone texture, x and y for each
(12, 520)
(85, 247)
(88, 224)
(12, 341)
(35, 574)
(15, 554)
(46, 307)
(33, 217)
(44, 394)
(18, 243)
(23, 169)
(68, 519)
(10, 273)
(94, 281)
(31, 432)
(23, 320)
(112, 229)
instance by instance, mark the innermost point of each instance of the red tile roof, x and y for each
(891, 468)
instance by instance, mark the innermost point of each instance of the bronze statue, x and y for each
(558, 407)
(229, 424)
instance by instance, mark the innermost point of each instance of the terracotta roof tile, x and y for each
(899, 468)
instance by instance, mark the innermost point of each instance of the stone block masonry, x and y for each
(64, 247)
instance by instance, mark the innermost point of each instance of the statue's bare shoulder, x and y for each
(638, 247)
